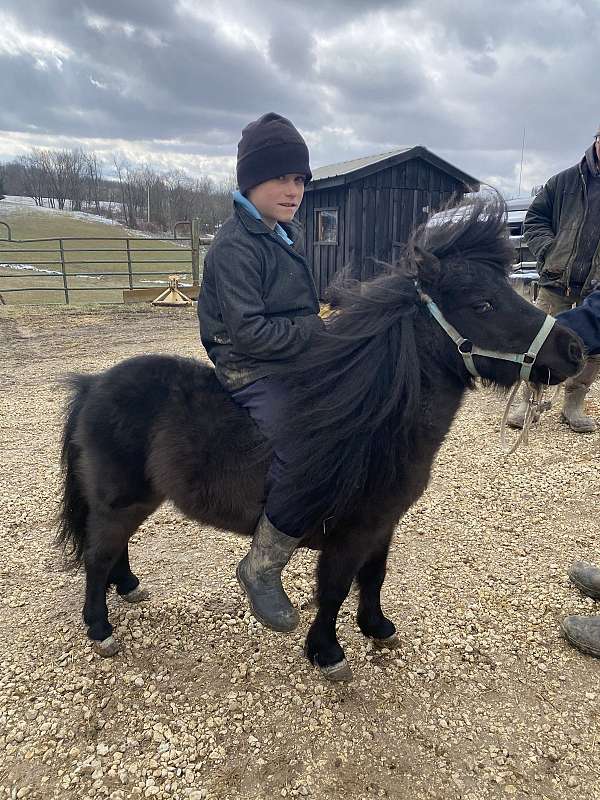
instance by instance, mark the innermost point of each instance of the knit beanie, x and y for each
(270, 146)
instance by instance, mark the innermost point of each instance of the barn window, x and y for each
(326, 226)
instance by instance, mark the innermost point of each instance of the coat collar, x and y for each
(257, 226)
(243, 202)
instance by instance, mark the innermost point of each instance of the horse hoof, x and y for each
(340, 672)
(106, 648)
(136, 595)
(391, 642)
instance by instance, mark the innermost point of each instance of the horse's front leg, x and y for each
(371, 619)
(338, 565)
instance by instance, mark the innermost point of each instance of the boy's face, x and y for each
(278, 199)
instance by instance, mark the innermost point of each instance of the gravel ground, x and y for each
(483, 699)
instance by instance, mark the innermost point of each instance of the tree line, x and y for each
(139, 196)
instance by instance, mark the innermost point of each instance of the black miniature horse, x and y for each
(371, 404)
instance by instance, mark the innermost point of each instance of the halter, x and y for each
(467, 349)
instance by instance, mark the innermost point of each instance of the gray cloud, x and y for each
(183, 78)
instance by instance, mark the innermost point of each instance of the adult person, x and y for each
(562, 230)
(581, 631)
(258, 308)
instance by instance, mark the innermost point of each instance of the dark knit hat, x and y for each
(270, 146)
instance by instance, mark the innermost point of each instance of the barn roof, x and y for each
(348, 171)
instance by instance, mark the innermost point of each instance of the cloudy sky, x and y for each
(173, 83)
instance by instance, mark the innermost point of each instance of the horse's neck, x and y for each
(441, 395)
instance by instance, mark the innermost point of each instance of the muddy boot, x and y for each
(576, 390)
(516, 417)
(586, 577)
(583, 633)
(259, 575)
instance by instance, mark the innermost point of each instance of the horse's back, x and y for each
(154, 427)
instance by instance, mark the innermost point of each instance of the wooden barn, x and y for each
(361, 211)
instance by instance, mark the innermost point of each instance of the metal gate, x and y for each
(76, 262)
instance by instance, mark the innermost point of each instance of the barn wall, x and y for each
(376, 215)
(325, 259)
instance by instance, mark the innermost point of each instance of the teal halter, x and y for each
(467, 349)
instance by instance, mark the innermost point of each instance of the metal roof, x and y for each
(344, 167)
(347, 171)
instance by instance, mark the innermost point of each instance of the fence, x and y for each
(59, 260)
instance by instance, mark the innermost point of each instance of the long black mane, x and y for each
(354, 396)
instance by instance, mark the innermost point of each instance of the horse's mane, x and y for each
(475, 230)
(354, 395)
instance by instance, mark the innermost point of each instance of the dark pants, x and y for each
(265, 402)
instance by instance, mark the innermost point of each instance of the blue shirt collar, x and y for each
(239, 198)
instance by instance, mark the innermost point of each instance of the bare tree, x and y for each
(35, 179)
(92, 168)
(122, 170)
(140, 196)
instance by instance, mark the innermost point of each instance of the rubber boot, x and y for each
(583, 633)
(516, 417)
(576, 390)
(259, 575)
(586, 577)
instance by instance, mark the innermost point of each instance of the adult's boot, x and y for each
(586, 577)
(576, 390)
(583, 633)
(518, 411)
(259, 575)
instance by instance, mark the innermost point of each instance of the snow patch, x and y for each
(32, 268)
(13, 204)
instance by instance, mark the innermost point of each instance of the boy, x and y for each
(258, 306)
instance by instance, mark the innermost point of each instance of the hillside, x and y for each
(27, 265)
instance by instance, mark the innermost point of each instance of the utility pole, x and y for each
(148, 202)
(195, 247)
(521, 170)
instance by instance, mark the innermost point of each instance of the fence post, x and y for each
(129, 264)
(64, 271)
(195, 244)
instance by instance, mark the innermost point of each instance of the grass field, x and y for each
(28, 266)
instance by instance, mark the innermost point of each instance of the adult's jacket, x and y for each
(585, 321)
(258, 303)
(553, 225)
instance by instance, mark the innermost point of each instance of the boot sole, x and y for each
(259, 617)
(577, 430)
(584, 589)
(589, 651)
(518, 426)
(514, 425)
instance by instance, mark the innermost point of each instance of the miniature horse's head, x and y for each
(461, 259)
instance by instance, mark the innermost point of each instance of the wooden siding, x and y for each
(375, 215)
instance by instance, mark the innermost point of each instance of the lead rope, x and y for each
(535, 408)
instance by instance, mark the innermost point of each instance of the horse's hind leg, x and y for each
(126, 583)
(108, 531)
(371, 619)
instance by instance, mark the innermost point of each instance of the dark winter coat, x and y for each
(585, 321)
(258, 303)
(553, 226)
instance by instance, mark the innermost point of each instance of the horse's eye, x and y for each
(483, 308)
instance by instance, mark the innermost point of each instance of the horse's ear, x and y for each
(426, 266)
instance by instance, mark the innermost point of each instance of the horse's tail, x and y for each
(74, 508)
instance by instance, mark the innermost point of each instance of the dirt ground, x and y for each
(483, 700)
